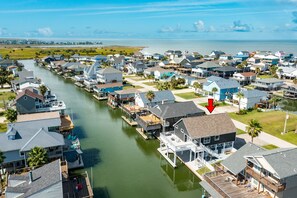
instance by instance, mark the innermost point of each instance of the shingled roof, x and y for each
(209, 125)
(29, 93)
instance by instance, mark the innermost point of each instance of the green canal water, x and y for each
(123, 164)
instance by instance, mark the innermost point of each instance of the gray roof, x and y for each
(209, 64)
(172, 110)
(226, 69)
(209, 125)
(269, 80)
(254, 93)
(235, 163)
(109, 70)
(160, 96)
(213, 192)
(227, 84)
(213, 78)
(282, 160)
(29, 135)
(43, 178)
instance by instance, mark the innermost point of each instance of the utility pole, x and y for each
(285, 126)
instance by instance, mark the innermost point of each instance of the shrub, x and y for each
(242, 112)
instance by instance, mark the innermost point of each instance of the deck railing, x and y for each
(275, 186)
(208, 176)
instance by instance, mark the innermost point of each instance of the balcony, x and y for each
(149, 122)
(266, 181)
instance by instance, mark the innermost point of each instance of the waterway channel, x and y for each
(123, 164)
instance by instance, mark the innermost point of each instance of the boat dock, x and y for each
(100, 98)
(131, 123)
(88, 90)
(78, 84)
(142, 133)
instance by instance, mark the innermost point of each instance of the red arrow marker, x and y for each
(210, 105)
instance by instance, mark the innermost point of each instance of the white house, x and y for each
(250, 98)
(287, 72)
(161, 97)
(109, 75)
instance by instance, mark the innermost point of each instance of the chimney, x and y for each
(31, 176)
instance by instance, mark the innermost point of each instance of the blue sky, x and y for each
(182, 19)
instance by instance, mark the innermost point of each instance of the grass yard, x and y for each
(188, 95)
(240, 132)
(270, 146)
(150, 83)
(6, 95)
(132, 86)
(265, 76)
(3, 127)
(136, 78)
(203, 170)
(34, 52)
(272, 123)
(217, 104)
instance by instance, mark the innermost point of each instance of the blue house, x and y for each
(102, 90)
(226, 87)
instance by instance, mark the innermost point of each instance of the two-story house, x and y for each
(268, 84)
(250, 98)
(244, 78)
(109, 75)
(255, 172)
(160, 97)
(225, 88)
(205, 69)
(204, 137)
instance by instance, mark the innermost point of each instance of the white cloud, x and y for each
(46, 31)
(3, 31)
(199, 26)
(240, 27)
(166, 29)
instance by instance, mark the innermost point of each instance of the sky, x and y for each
(155, 19)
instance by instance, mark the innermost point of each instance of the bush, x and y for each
(242, 112)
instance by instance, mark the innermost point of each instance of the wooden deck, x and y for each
(66, 123)
(100, 98)
(227, 188)
(131, 123)
(142, 133)
(150, 119)
(78, 84)
(69, 187)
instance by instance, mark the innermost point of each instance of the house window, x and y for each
(25, 98)
(206, 140)
(217, 138)
(176, 126)
(181, 130)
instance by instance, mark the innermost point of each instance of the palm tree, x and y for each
(257, 70)
(253, 129)
(150, 95)
(274, 100)
(197, 85)
(37, 157)
(2, 158)
(273, 69)
(42, 89)
(11, 115)
(214, 90)
(239, 95)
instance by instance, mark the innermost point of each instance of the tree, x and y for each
(2, 158)
(150, 95)
(239, 95)
(11, 115)
(257, 70)
(214, 90)
(253, 129)
(197, 85)
(295, 81)
(273, 69)
(37, 157)
(11, 98)
(274, 100)
(163, 86)
(3, 80)
(42, 89)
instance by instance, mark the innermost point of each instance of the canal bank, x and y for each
(123, 163)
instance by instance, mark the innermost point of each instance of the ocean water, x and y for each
(205, 47)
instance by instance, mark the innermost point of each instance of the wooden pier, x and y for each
(111, 106)
(88, 90)
(100, 98)
(131, 123)
(142, 133)
(78, 84)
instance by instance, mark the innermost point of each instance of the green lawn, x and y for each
(270, 146)
(239, 132)
(6, 95)
(203, 170)
(265, 76)
(188, 95)
(272, 123)
(132, 86)
(150, 83)
(32, 52)
(217, 104)
(3, 127)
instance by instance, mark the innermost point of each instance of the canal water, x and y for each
(123, 164)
